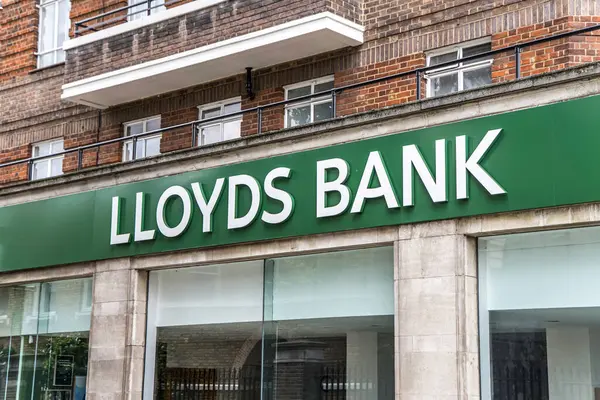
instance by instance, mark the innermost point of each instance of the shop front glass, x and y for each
(44, 330)
(314, 327)
(540, 315)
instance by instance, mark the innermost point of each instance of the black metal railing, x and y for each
(124, 13)
(417, 73)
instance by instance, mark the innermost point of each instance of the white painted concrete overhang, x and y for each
(293, 40)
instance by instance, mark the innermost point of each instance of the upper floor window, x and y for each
(50, 166)
(221, 129)
(140, 8)
(462, 75)
(313, 109)
(146, 146)
(54, 30)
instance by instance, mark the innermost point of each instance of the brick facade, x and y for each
(18, 38)
(206, 26)
(397, 37)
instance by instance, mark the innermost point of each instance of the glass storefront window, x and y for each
(44, 340)
(310, 327)
(540, 315)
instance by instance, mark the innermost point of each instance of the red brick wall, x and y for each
(385, 94)
(14, 173)
(549, 56)
(18, 38)
(31, 110)
(272, 117)
(83, 9)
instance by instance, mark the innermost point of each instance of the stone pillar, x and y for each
(116, 357)
(436, 326)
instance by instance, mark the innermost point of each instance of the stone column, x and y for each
(436, 322)
(116, 357)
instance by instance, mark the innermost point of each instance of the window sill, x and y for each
(57, 65)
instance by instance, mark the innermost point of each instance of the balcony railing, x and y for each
(113, 17)
(417, 73)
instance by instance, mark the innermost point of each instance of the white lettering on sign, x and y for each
(337, 185)
(233, 221)
(472, 165)
(207, 208)
(186, 216)
(139, 234)
(282, 196)
(332, 179)
(374, 167)
(115, 219)
(436, 187)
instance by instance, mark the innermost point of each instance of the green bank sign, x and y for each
(540, 157)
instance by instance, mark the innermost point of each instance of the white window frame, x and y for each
(221, 122)
(47, 158)
(140, 15)
(458, 68)
(312, 101)
(141, 139)
(58, 43)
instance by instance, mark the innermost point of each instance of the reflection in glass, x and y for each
(314, 327)
(477, 77)
(540, 315)
(298, 116)
(444, 84)
(44, 340)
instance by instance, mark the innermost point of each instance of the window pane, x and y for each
(42, 149)
(152, 125)
(207, 327)
(471, 51)
(40, 169)
(232, 129)
(211, 134)
(327, 316)
(33, 342)
(298, 116)
(323, 111)
(56, 166)
(152, 147)
(477, 77)
(63, 22)
(231, 108)
(18, 340)
(301, 91)
(210, 113)
(134, 129)
(539, 314)
(442, 58)
(47, 28)
(46, 59)
(323, 86)
(139, 11)
(444, 84)
(140, 149)
(57, 147)
(335, 313)
(128, 151)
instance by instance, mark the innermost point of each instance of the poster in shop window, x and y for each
(63, 371)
